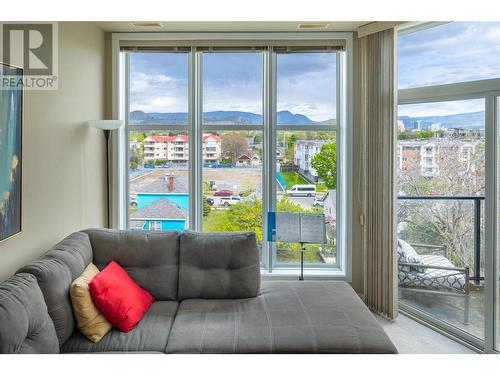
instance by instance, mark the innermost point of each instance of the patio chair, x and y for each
(429, 270)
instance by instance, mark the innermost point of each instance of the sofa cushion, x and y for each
(434, 278)
(287, 317)
(25, 325)
(218, 265)
(55, 271)
(151, 334)
(150, 258)
(119, 298)
(89, 319)
(407, 254)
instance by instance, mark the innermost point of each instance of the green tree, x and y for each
(245, 215)
(285, 204)
(135, 159)
(325, 163)
(206, 207)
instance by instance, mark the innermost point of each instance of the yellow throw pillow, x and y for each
(89, 320)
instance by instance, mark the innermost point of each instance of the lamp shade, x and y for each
(106, 124)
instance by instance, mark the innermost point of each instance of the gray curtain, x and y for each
(378, 119)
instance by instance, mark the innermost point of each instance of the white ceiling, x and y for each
(225, 26)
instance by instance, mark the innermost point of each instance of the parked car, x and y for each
(210, 201)
(302, 191)
(162, 166)
(229, 201)
(223, 193)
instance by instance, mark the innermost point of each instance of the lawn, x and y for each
(293, 178)
(321, 188)
(211, 222)
(290, 253)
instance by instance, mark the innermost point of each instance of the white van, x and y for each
(302, 191)
(229, 201)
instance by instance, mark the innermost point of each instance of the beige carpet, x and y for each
(411, 337)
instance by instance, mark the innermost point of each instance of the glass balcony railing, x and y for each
(447, 233)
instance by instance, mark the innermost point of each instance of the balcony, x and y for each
(453, 228)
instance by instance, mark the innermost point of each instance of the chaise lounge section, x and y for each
(209, 299)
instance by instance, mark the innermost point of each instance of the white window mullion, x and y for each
(126, 189)
(491, 204)
(197, 134)
(270, 144)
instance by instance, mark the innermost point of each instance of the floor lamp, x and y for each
(107, 126)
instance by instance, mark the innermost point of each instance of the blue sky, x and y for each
(453, 52)
(233, 82)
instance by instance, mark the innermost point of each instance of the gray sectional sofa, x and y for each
(209, 299)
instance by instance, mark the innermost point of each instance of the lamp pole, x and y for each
(107, 126)
(107, 134)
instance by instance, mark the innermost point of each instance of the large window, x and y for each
(158, 185)
(232, 88)
(232, 183)
(307, 88)
(158, 93)
(218, 137)
(444, 168)
(307, 182)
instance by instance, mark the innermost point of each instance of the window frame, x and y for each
(195, 129)
(488, 90)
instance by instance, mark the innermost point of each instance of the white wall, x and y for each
(63, 160)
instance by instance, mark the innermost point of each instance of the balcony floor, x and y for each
(449, 308)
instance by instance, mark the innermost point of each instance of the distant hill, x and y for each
(220, 117)
(471, 120)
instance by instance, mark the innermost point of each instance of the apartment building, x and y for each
(427, 156)
(303, 154)
(176, 148)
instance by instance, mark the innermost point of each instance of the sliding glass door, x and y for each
(441, 194)
(447, 174)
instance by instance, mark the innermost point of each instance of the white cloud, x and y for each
(311, 94)
(158, 93)
(455, 52)
(441, 108)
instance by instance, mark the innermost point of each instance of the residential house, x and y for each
(161, 214)
(252, 159)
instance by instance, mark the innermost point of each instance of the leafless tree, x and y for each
(461, 169)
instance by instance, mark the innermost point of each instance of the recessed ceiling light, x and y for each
(147, 24)
(309, 26)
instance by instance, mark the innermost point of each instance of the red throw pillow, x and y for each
(118, 297)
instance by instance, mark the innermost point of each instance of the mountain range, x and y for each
(221, 118)
(472, 120)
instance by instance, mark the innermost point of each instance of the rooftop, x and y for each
(180, 138)
(161, 209)
(160, 185)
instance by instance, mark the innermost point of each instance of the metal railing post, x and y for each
(477, 241)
